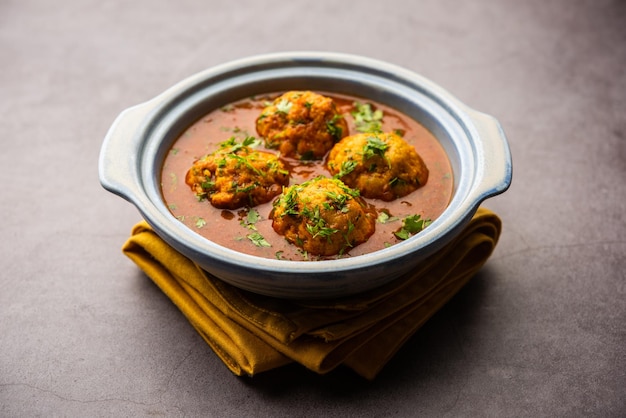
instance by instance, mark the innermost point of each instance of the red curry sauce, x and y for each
(241, 232)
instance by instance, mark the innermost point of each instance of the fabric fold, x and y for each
(253, 333)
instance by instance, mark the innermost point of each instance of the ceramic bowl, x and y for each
(136, 144)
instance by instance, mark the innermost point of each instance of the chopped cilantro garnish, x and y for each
(258, 240)
(230, 142)
(207, 185)
(320, 229)
(411, 225)
(384, 217)
(315, 223)
(289, 200)
(367, 120)
(374, 146)
(347, 167)
(283, 106)
(200, 222)
(333, 129)
(338, 199)
(252, 217)
(396, 181)
(246, 161)
(248, 141)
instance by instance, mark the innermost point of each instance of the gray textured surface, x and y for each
(539, 332)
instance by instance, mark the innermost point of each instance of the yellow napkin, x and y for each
(253, 333)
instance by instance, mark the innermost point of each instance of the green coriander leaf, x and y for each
(402, 234)
(200, 222)
(367, 120)
(411, 225)
(415, 223)
(385, 217)
(258, 240)
(245, 161)
(374, 146)
(333, 129)
(284, 106)
(251, 141)
(207, 185)
(347, 167)
(230, 142)
(252, 217)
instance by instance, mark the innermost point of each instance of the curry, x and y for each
(233, 176)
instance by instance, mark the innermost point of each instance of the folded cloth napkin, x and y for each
(253, 333)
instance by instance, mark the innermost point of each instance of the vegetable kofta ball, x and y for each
(323, 216)
(301, 124)
(237, 175)
(380, 165)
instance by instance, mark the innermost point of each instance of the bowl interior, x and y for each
(182, 105)
(177, 115)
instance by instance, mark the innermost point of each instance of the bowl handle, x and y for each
(498, 167)
(118, 167)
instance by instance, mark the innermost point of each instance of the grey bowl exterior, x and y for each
(136, 144)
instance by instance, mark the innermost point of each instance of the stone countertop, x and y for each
(538, 332)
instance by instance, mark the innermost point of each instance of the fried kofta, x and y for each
(237, 175)
(380, 165)
(301, 124)
(323, 216)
